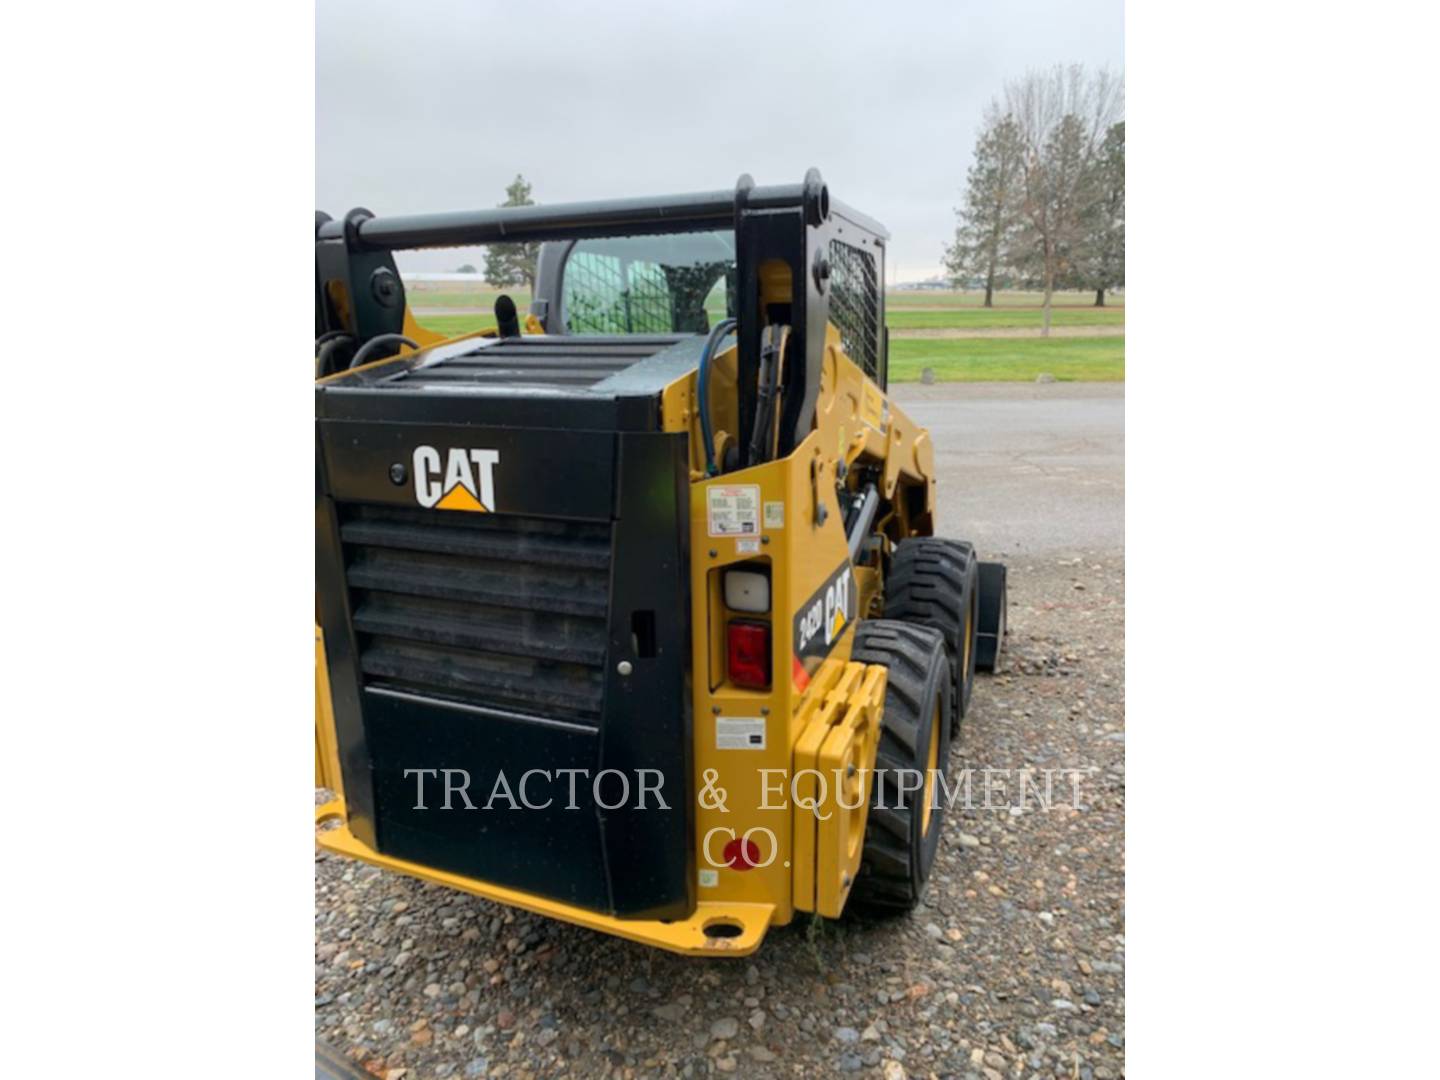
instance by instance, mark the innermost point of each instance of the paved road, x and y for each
(1027, 469)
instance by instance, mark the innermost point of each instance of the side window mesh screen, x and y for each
(647, 303)
(608, 295)
(855, 304)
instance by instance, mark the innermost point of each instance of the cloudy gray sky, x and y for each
(437, 104)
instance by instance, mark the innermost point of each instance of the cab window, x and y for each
(649, 284)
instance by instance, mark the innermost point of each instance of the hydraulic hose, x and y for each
(329, 335)
(767, 387)
(375, 345)
(702, 379)
(331, 348)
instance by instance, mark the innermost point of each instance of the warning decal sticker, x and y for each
(733, 509)
(739, 733)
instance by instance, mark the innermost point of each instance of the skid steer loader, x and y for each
(632, 615)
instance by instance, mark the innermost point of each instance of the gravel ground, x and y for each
(1012, 967)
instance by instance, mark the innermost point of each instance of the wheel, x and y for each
(991, 610)
(902, 832)
(933, 582)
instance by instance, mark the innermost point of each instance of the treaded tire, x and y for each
(900, 837)
(935, 582)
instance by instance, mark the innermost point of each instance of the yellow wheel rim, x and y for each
(927, 810)
(969, 635)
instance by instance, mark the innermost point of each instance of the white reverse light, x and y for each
(748, 591)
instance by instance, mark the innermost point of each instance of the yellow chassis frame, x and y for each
(685, 936)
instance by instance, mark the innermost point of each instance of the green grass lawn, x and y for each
(903, 318)
(447, 294)
(944, 298)
(1087, 359)
(1094, 359)
(455, 325)
(991, 318)
(980, 319)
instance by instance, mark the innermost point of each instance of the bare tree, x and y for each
(1062, 116)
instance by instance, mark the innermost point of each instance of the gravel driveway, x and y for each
(1014, 965)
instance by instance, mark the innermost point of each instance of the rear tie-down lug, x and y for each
(713, 929)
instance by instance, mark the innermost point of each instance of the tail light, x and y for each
(749, 652)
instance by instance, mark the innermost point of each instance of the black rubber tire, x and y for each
(935, 582)
(900, 844)
(991, 623)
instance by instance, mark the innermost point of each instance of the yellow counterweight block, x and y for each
(833, 775)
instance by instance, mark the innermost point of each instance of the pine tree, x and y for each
(1102, 263)
(988, 218)
(513, 264)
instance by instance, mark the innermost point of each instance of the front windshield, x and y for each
(649, 284)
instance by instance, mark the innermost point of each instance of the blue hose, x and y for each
(702, 378)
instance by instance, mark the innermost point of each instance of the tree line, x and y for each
(1044, 200)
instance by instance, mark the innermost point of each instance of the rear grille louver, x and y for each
(570, 362)
(496, 610)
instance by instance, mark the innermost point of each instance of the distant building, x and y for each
(927, 284)
(469, 278)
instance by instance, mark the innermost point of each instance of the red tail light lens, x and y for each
(749, 650)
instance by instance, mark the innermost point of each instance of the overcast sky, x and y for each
(437, 104)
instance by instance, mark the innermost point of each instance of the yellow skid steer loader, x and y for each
(632, 615)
